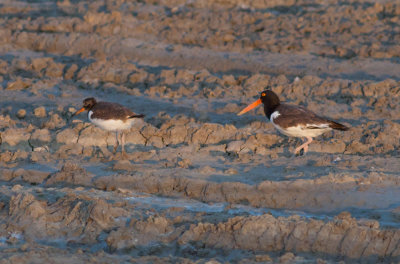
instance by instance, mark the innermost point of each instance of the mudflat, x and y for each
(199, 183)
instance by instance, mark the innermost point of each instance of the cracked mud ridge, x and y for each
(199, 183)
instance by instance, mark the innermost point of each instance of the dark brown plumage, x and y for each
(292, 120)
(107, 111)
(337, 126)
(109, 116)
(292, 115)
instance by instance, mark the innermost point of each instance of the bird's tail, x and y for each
(137, 116)
(337, 126)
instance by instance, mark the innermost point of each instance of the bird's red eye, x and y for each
(263, 94)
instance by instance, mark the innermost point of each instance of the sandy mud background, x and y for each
(201, 185)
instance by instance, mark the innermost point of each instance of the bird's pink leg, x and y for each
(123, 153)
(117, 143)
(304, 146)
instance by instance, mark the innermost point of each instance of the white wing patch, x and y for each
(309, 130)
(302, 131)
(316, 126)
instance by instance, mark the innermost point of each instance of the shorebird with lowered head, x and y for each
(293, 120)
(110, 117)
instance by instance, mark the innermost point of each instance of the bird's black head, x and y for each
(269, 98)
(88, 103)
(271, 102)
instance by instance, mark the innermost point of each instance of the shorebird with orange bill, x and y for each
(110, 117)
(293, 120)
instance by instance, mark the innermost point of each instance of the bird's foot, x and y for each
(303, 147)
(124, 155)
(107, 158)
(300, 151)
(115, 149)
(98, 152)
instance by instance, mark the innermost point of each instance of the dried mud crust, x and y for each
(93, 218)
(199, 184)
(346, 30)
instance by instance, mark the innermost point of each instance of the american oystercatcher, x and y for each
(292, 120)
(110, 117)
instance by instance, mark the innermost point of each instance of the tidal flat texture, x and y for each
(199, 183)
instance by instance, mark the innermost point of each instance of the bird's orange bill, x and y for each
(79, 111)
(250, 106)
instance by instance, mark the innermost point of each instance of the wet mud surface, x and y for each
(199, 183)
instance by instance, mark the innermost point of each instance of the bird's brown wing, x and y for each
(106, 110)
(291, 116)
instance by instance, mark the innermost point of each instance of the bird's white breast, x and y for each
(274, 115)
